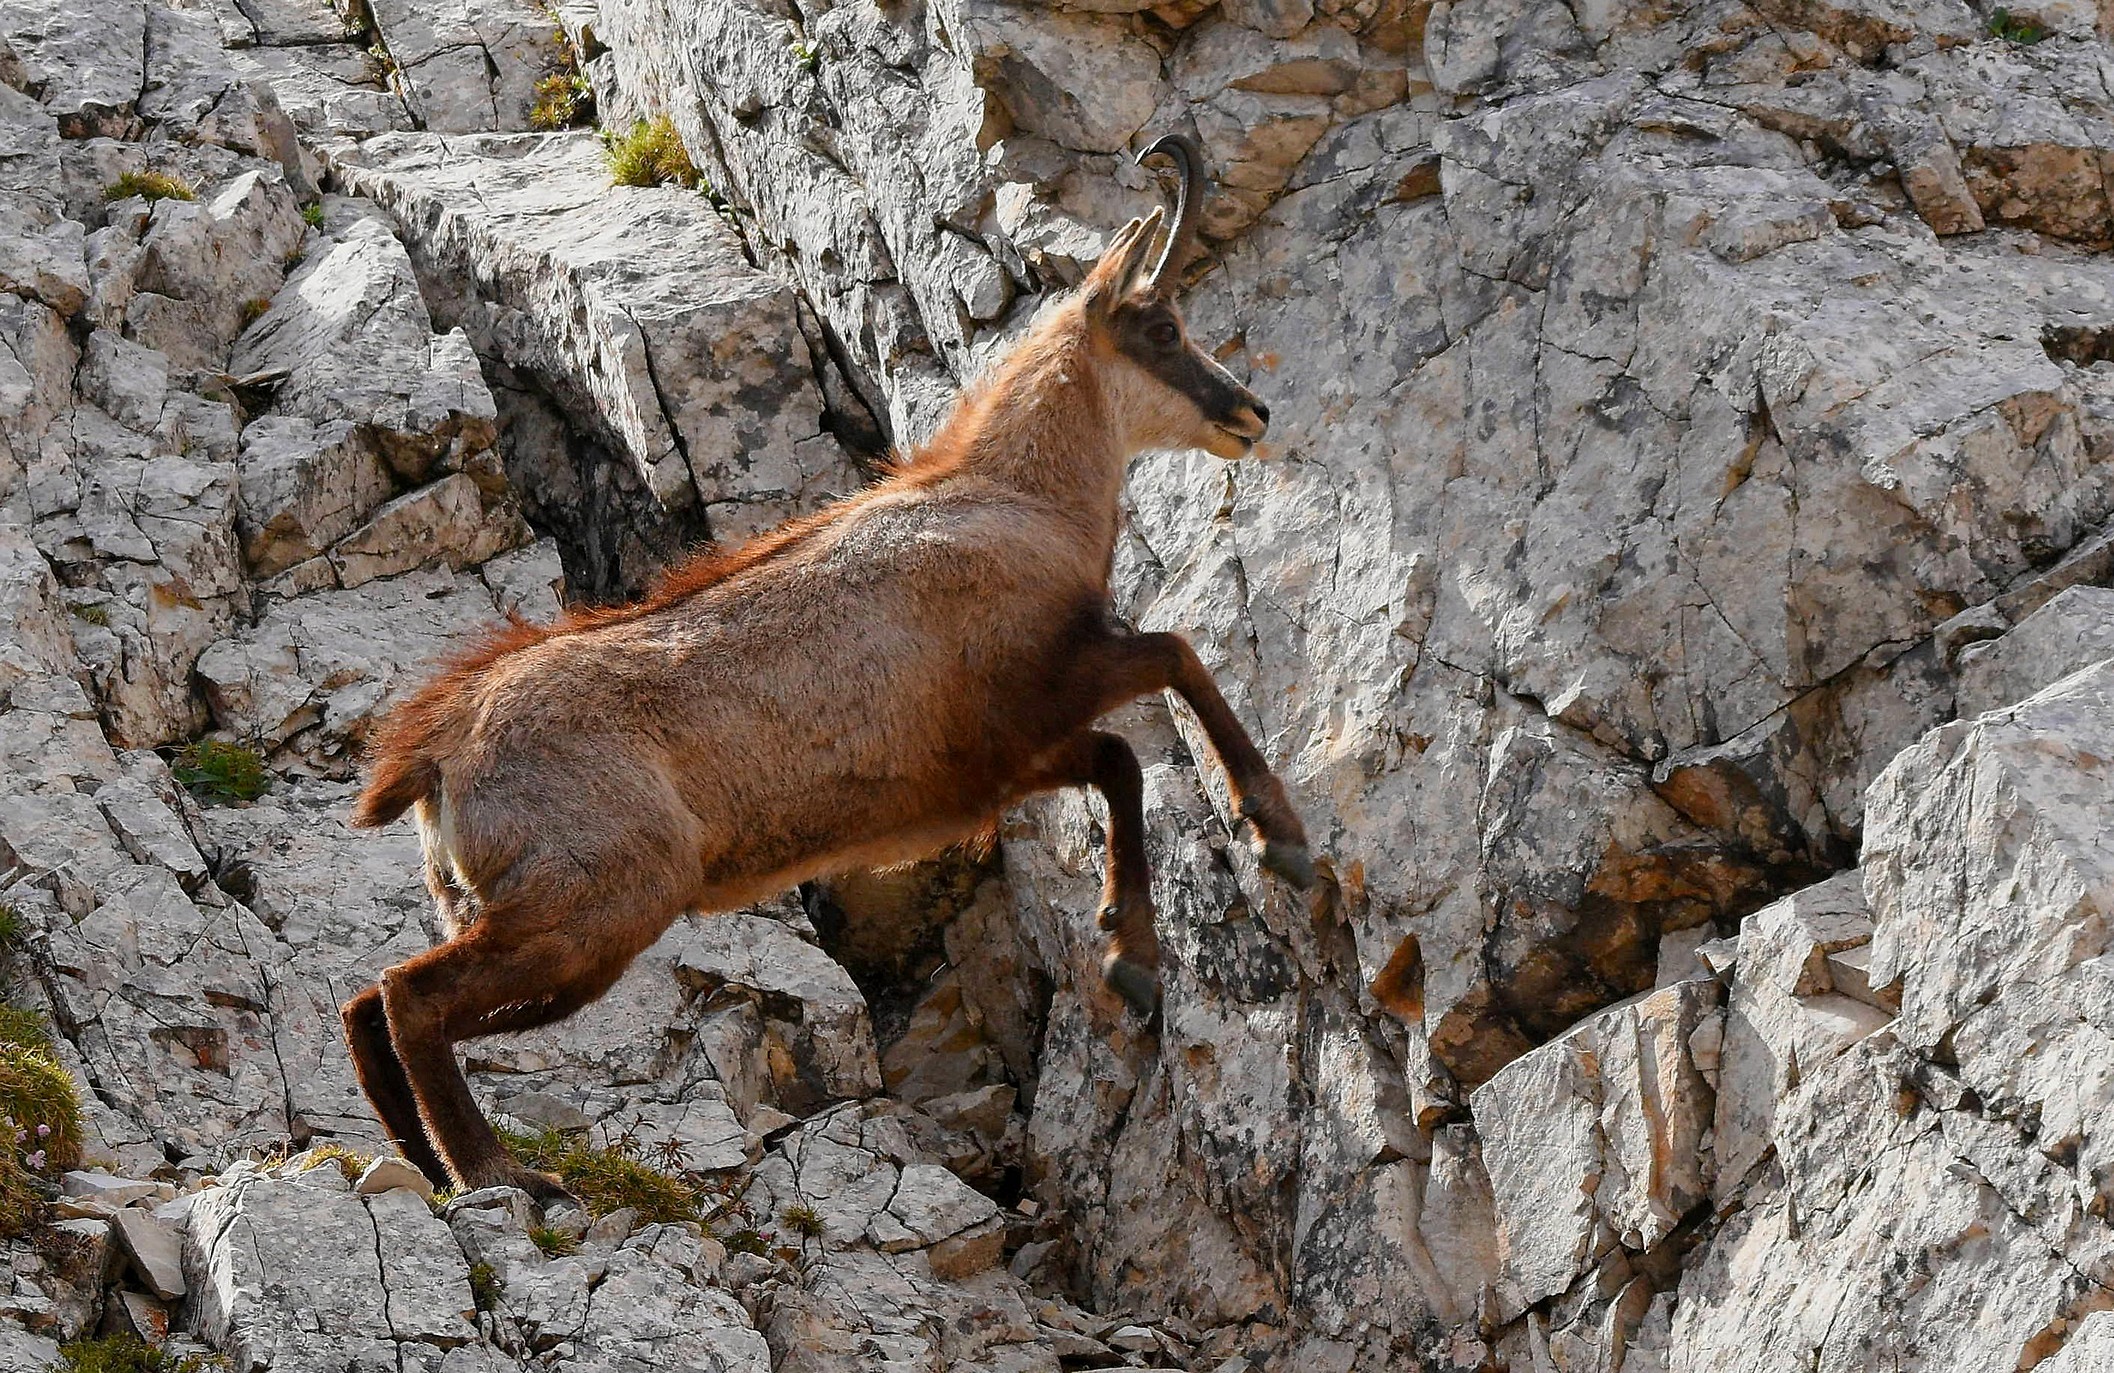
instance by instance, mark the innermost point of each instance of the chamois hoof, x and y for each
(1139, 987)
(1292, 862)
(544, 1187)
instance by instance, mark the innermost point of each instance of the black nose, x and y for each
(1262, 412)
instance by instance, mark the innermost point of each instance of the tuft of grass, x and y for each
(607, 1180)
(564, 100)
(92, 615)
(13, 929)
(151, 186)
(555, 1244)
(20, 1027)
(652, 154)
(253, 310)
(39, 1096)
(215, 770)
(485, 1287)
(130, 1354)
(2013, 29)
(349, 1162)
(312, 215)
(803, 1220)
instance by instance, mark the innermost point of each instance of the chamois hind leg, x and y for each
(382, 1078)
(1127, 666)
(1098, 759)
(494, 977)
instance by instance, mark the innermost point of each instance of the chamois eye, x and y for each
(1164, 334)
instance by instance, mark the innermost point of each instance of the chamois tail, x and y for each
(399, 781)
(405, 751)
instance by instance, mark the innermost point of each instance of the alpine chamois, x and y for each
(858, 688)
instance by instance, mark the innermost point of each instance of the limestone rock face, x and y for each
(651, 322)
(1979, 864)
(1626, 1100)
(1678, 598)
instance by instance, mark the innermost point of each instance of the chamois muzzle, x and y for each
(1245, 421)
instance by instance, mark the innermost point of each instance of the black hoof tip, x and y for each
(1292, 862)
(1138, 987)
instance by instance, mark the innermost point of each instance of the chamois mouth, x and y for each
(1243, 424)
(1224, 441)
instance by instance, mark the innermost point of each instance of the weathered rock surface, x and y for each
(652, 322)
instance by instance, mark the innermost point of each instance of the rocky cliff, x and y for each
(1679, 601)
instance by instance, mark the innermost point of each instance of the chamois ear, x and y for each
(1116, 274)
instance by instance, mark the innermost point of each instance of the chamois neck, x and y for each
(1044, 425)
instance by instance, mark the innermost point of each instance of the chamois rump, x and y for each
(858, 688)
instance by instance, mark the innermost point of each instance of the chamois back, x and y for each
(402, 750)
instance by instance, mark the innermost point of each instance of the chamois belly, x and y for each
(832, 806)
(872, 784)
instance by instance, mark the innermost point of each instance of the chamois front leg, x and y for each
(1132, 665)
(1103, 761)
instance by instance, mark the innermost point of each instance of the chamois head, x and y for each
(1171, 394)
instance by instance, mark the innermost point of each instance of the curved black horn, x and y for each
(1188, 199)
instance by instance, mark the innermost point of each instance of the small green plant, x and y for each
(485, 1287)
(652, 154)
(555, 1244)
(805, 53)
(215, 770)
(803, 1220)
(92, 615)
(150, 186)
(565, 99)
(2013, 29)
(13, 930)
(312, 215)
(130, 1354)
(253, 310)
(748, 1241)
(362, 32)
(607, 1180)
